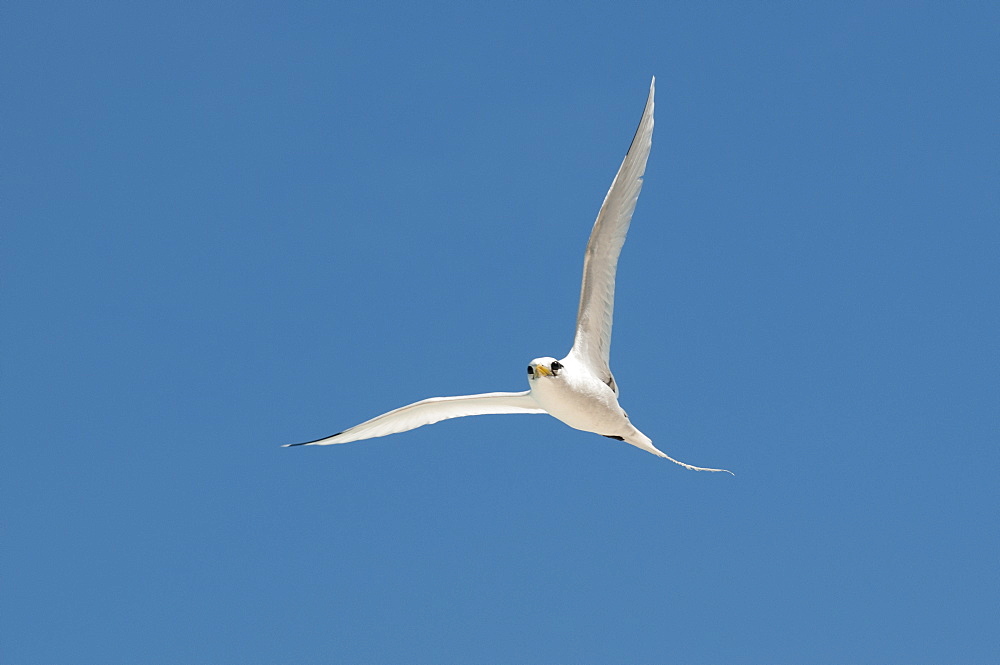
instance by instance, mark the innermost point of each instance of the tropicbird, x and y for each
(579, 389)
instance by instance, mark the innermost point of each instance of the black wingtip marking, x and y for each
(306, 443)
(612, 436)
(636, 134)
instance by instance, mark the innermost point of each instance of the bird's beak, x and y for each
(543, 370)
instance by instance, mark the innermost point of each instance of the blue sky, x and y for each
(228, 227)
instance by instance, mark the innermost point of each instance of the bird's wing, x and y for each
(430, 411)
(592, 343)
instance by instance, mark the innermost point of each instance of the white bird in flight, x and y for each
(579, 389)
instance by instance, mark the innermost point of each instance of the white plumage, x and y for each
(579, 389)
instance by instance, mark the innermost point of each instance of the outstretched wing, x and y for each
(430, 411)
(592, 343)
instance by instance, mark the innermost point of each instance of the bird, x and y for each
(579, 389)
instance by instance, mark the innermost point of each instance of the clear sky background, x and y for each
(226, 227)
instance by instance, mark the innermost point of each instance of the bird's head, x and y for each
(540, 367)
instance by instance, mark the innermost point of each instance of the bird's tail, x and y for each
(640, 440)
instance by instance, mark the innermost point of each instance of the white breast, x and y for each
(580, 400)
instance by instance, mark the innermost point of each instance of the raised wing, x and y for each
(430, 411)
(592, 343)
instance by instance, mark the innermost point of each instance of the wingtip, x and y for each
(306, 443)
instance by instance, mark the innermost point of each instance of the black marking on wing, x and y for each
(306, 443)
(611, 383)
(612, 436)
(636, 133)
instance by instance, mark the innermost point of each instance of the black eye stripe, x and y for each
(531, 370)
(556, 365)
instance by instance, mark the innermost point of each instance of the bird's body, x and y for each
(580, 404)
(579, 399)
(579, 390)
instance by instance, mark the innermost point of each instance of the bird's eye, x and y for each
(556, 365)
(531, 370)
